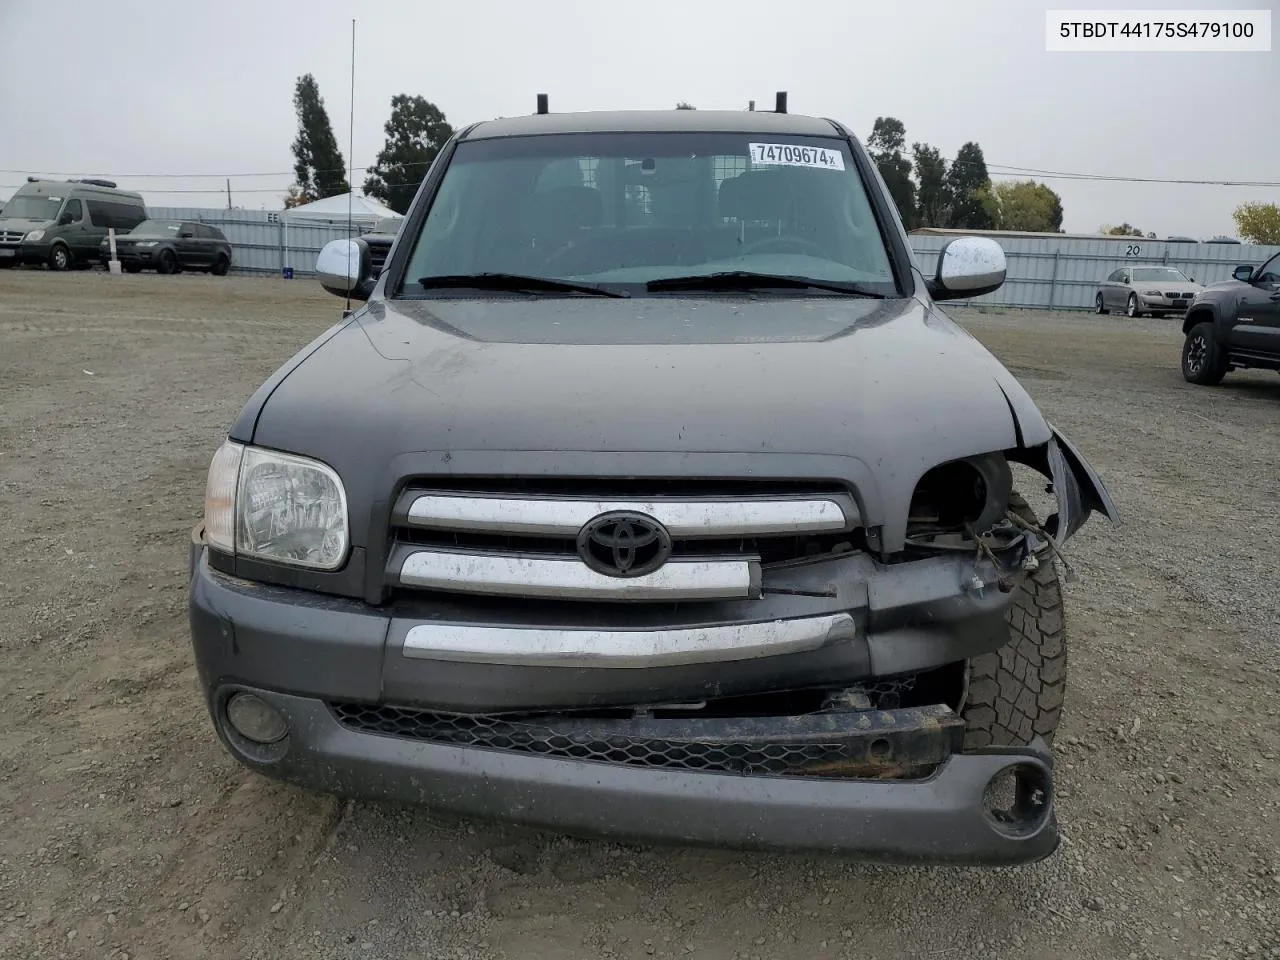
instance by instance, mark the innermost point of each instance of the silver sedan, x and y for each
(1146, 289)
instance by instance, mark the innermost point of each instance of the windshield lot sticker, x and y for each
(791, 155)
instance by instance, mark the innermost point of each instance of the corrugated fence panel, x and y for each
(260, 241)
(1044, 272)
(1063, 274)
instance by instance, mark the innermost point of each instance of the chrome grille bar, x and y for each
(623, 648)
(690, 518)
(571, 579)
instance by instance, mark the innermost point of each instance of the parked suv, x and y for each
(168, 246)
(650, 494)
(1234, 324)
(61, 222)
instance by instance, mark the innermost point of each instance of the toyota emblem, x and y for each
(624, 544)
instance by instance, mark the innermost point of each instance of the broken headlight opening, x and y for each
(967, 507)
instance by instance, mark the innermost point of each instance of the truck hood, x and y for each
(871, 391)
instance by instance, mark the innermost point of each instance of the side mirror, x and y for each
(344, 267)
(1242, 273)
(64, 220)
(968, 267)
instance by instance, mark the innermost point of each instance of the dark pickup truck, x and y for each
(1234, 324)
(648, 493)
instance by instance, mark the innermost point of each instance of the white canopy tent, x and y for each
(365, 211)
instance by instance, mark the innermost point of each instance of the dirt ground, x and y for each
(125, 830)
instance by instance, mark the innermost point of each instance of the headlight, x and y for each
(34, 235)
(1151, 293)
(147, 243)
(276, 507)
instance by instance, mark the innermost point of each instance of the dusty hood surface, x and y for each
(875, 391)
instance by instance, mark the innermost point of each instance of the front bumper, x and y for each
(941, 819)
(311, 656)
(34, 252)
(1165, 304)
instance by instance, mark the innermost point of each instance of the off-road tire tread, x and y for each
(1216, 367)
(1015, 694)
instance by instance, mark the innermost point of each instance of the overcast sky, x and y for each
(130, 88)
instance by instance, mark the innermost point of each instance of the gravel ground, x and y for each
(128, 832)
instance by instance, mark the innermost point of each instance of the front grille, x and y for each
(539, 521)
(378, 250)
(11, 236)
(831, 744)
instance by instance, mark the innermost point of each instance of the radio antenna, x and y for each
(351, 161)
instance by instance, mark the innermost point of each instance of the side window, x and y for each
(1115, 276)
(1126, 276)
(99, 213)
(186, 229)
(1270, 272)
(74, 211)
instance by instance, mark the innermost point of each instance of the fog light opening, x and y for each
(255, 719)
(880, 749)
(1017, 798)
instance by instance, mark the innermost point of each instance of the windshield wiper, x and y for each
(517, 282)
(747, 280)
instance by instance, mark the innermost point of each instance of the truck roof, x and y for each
(656, 121)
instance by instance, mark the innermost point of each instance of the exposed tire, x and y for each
(60, 257)
(1203, 361)
(1131, 308)
(1015, 693)
(1097, 305)
(221, 266)
(166, 262)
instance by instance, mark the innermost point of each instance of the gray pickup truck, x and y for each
(1234, 324)
(648, 493)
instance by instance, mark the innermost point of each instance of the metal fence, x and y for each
(263, 241)
(1045, 271)
(1063, 273)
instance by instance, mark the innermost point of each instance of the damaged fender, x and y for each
(1076, 486)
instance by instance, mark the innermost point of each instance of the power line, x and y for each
(218, 190)
(993, 168)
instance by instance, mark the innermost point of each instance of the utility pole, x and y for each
(228, 193)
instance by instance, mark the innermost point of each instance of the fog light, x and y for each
(255, 719)
(1017, 798)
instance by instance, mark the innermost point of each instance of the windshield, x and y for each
(1159, 273)
(32, 207)
(623, 210)
(155, 228)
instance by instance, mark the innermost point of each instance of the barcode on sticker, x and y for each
(793, 155)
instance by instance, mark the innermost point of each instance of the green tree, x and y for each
(885, 145)
(415, 132)
(1028, 206)
(970, 186)
(685, 105)
(933, 196)
(318, 164)
(1258, 222)
(1125, 229)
